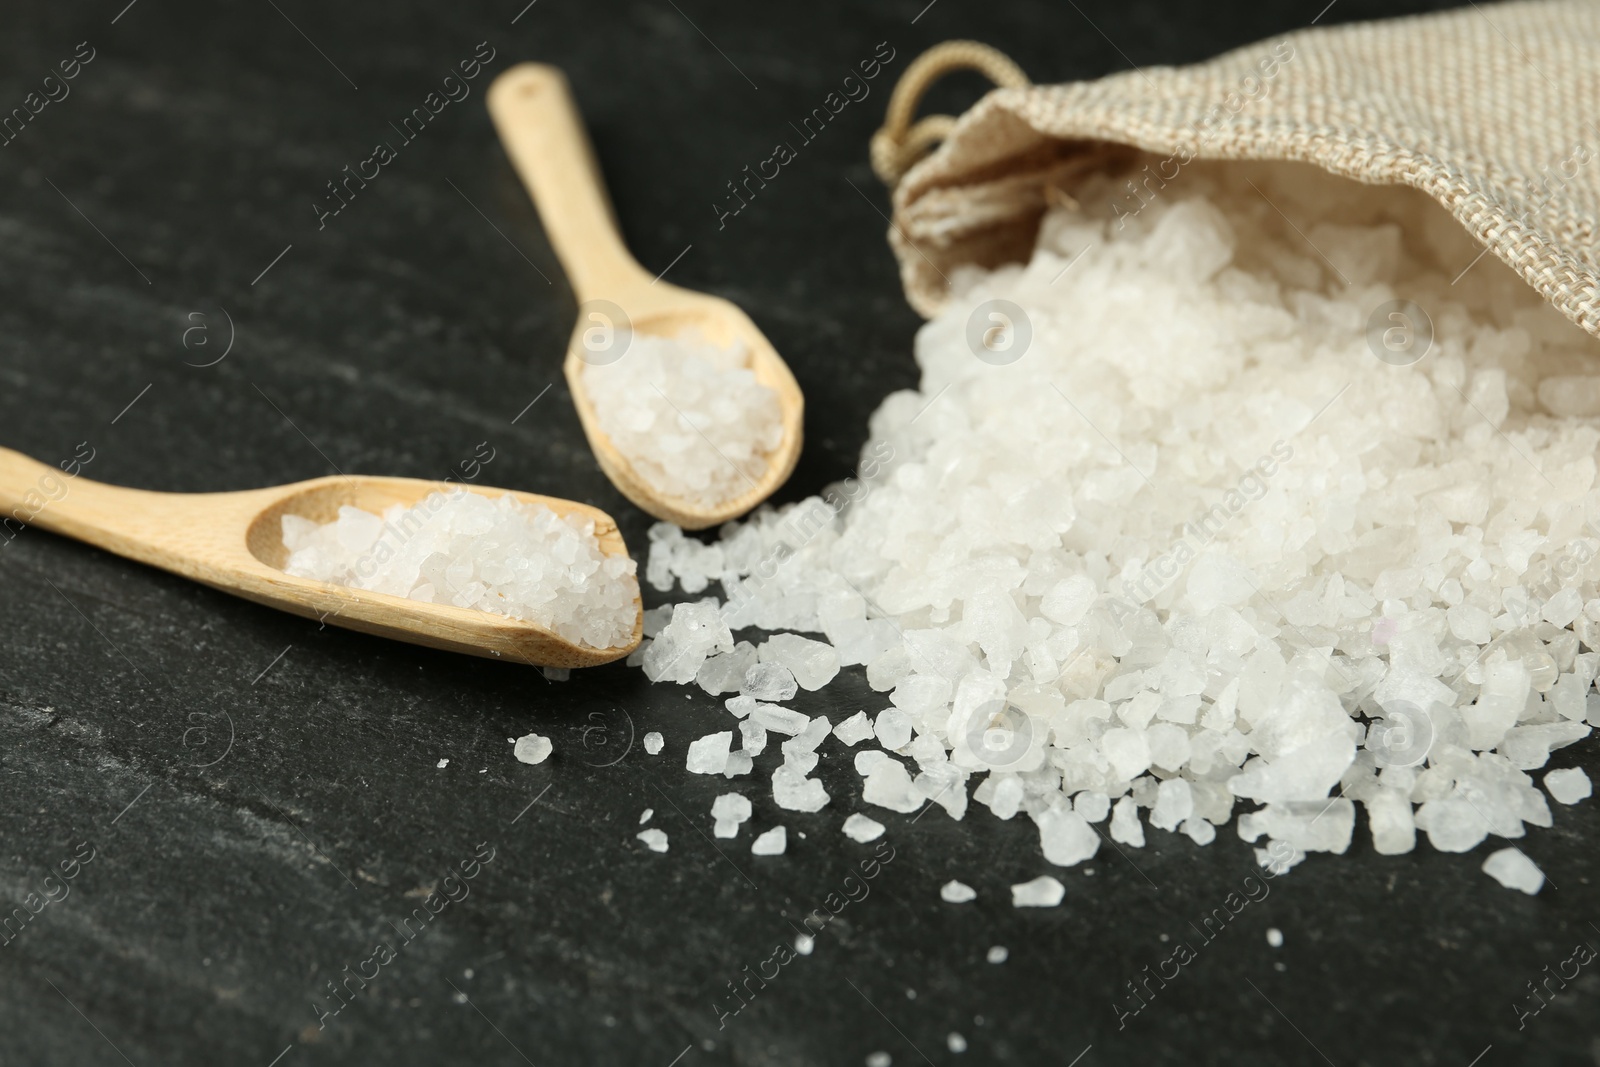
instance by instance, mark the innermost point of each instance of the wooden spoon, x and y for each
(234, 542)
(543, 134)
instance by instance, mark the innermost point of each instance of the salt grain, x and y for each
(1514, 870)
(654, 742)
(1274, 937)
(998, 954)
(532, 748)
(859, 827)
(771, 843)
(954, 892)
(655, 840)
(1043, 892)
(1569, 785)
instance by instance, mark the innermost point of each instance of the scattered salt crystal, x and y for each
(1065, 837)
(738, 763)
(771, 843)
(443, 763)
(879, 1059)
(644, 816)
(725, 671)
(813, 663)
(889, 786)
(1568, 785)
(998, 954)
(893, 728)
(1514, 870)
(861, 828)
(954, 892)
(768, 681)
(753, 736)
(465, 549)
(854, 730)
(532, 748)
(655, 840)
(729, 810)
(1043, 892)
(804, 943)
(654, 742)
(1093, 806)
(955, 1042)
(709, 754)
(794, 792)
(1125, 826)
(690, 417)
(1274, 937)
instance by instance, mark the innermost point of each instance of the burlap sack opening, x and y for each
(1489, 110)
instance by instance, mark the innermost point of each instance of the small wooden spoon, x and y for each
(543, 134)
(234, 542)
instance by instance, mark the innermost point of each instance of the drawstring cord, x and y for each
(901, 143)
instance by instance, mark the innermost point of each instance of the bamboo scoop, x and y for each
(543, 134)
(234, 542)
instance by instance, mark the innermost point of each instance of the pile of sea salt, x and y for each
(1194, 532)
(493, 554)
(690, 417)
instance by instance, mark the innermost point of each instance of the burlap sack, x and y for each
(1490, 110)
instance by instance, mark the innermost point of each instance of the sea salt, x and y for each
(855, 729)
(494, 554)
(654, 742)
(793, 791)
(729, 811)
(644, 816)
(532, 748)
(771, 843)
(655, 840)
(998, 954)
(1043, 892)
(861, 828)
(954, 892)
(1514, 870)
(1238, 558)
(1274, 937)
(690, 417)
(709, 754)
(1568, 786)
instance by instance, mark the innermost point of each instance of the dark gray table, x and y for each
(261, 794)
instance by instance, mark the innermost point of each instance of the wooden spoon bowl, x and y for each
(234, 542)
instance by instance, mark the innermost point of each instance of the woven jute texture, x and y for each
(1491, 110)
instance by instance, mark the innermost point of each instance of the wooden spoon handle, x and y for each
(539, 125)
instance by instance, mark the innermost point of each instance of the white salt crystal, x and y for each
(1174, 803)
(1394, 829)
(691, 418)
(753, 736)
(998, 954)
(879, 1059)
(893, 728)
(812, 663)
(644, 816)
(495, 554)
(655, 840)
(795, 792)
(709, 754)
(1043, 892)
(771, 843)
(955, 1042)
(780, 720)
(531, 748)
(1514, 870)
(804, 944)
(768, 681)
(954, 892)
(443, 763)
(1126, 829)
(1065, 837)
(731, 807)
(861, 828)
(854, 730)
(725, 671)
(654, 742)
(1274, 937)
(738, 763)
(1093, 806)
(1568, 785)
(889, 786)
